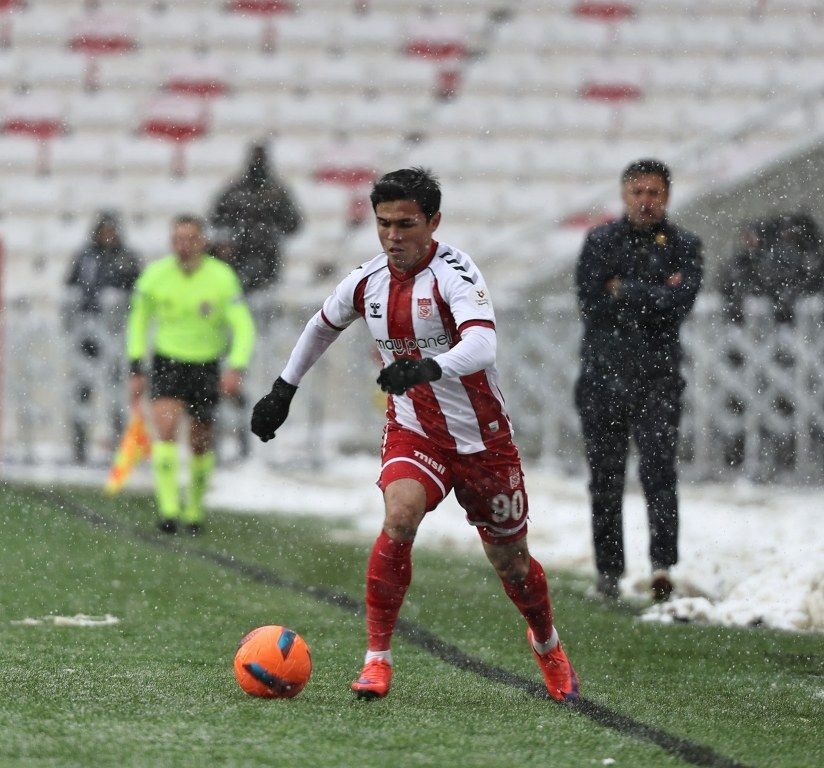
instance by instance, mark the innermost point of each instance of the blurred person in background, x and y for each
(780, 259)
(249, 220)
(252, 215)
(737, 276)
(429, 310)
(637, 279)
(99, 279)
(196, 304)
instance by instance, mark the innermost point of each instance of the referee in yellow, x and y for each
(196, 305)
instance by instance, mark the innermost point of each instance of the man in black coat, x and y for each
(637, 279)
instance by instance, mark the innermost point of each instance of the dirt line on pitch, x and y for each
(688, 751)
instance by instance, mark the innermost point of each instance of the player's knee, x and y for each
(402, 521)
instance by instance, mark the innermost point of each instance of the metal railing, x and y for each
(754, 403)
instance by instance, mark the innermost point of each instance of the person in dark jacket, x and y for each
(99, 279)
(637, 279)
(252, 214)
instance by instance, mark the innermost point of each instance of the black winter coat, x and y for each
(633, 340)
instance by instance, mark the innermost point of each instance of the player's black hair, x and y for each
(190, 218)
(418, 184)
(644, 166)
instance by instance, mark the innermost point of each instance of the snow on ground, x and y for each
(750, 554)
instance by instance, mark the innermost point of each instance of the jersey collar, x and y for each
(419, 267)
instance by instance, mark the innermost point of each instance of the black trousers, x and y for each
(648, 413)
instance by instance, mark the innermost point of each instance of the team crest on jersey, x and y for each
(205, 309)
(424, 309)
(481, 297)
(514, 477)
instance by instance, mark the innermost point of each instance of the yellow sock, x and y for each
(165, 463)
(201, 469)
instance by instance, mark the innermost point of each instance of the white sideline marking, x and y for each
(78, 620)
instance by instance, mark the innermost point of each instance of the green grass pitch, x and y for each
(157, 689)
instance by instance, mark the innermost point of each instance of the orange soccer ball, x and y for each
(273, 662)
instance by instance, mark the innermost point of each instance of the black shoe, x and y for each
(194, 529)
(661, 586)
(607, 586)
(167, 525)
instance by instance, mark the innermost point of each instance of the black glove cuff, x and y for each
(282, 387)
(431, 369)
(136, 367)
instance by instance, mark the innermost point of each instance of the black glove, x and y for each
(272, 409)
(405, 373)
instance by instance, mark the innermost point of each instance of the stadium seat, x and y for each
(645, 121)
(374, 31)
(302, 32)
(132, 75)
(34, 198)
(174, 117)
(333, 76)
(38, 115)
(270, 75)
(102, 32)
(261, 7)
(40, 28)
(346, 164)
(215, 158)
(708, 37)
(435, 39)
(745, 78)
(204, 76)
(571, 118)
(18, 155)
(603, 10)
(82, 197)
(94, 113)
(137, 158)
(312, 116)
(223, 33)
(167, 198)
(241, 116)
(81, 154)
(61, 70)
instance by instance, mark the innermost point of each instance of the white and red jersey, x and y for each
(422, 313)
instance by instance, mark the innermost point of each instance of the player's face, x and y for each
(405, 233)
(187, 241)
(645, 199)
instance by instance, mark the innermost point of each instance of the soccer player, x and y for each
(195, 302)
(428, 309)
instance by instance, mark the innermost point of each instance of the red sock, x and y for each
(531, 596)
(388, 575)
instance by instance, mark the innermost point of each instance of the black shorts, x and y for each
(196, 384)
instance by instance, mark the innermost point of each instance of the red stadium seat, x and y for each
(347, 165)
(175, 117)
(436, 41)
(605, 90)
(197, 77)
(37, 115)
(262, 7)
(103, 33)
(603, 10)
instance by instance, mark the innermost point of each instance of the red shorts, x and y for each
(488, 485)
